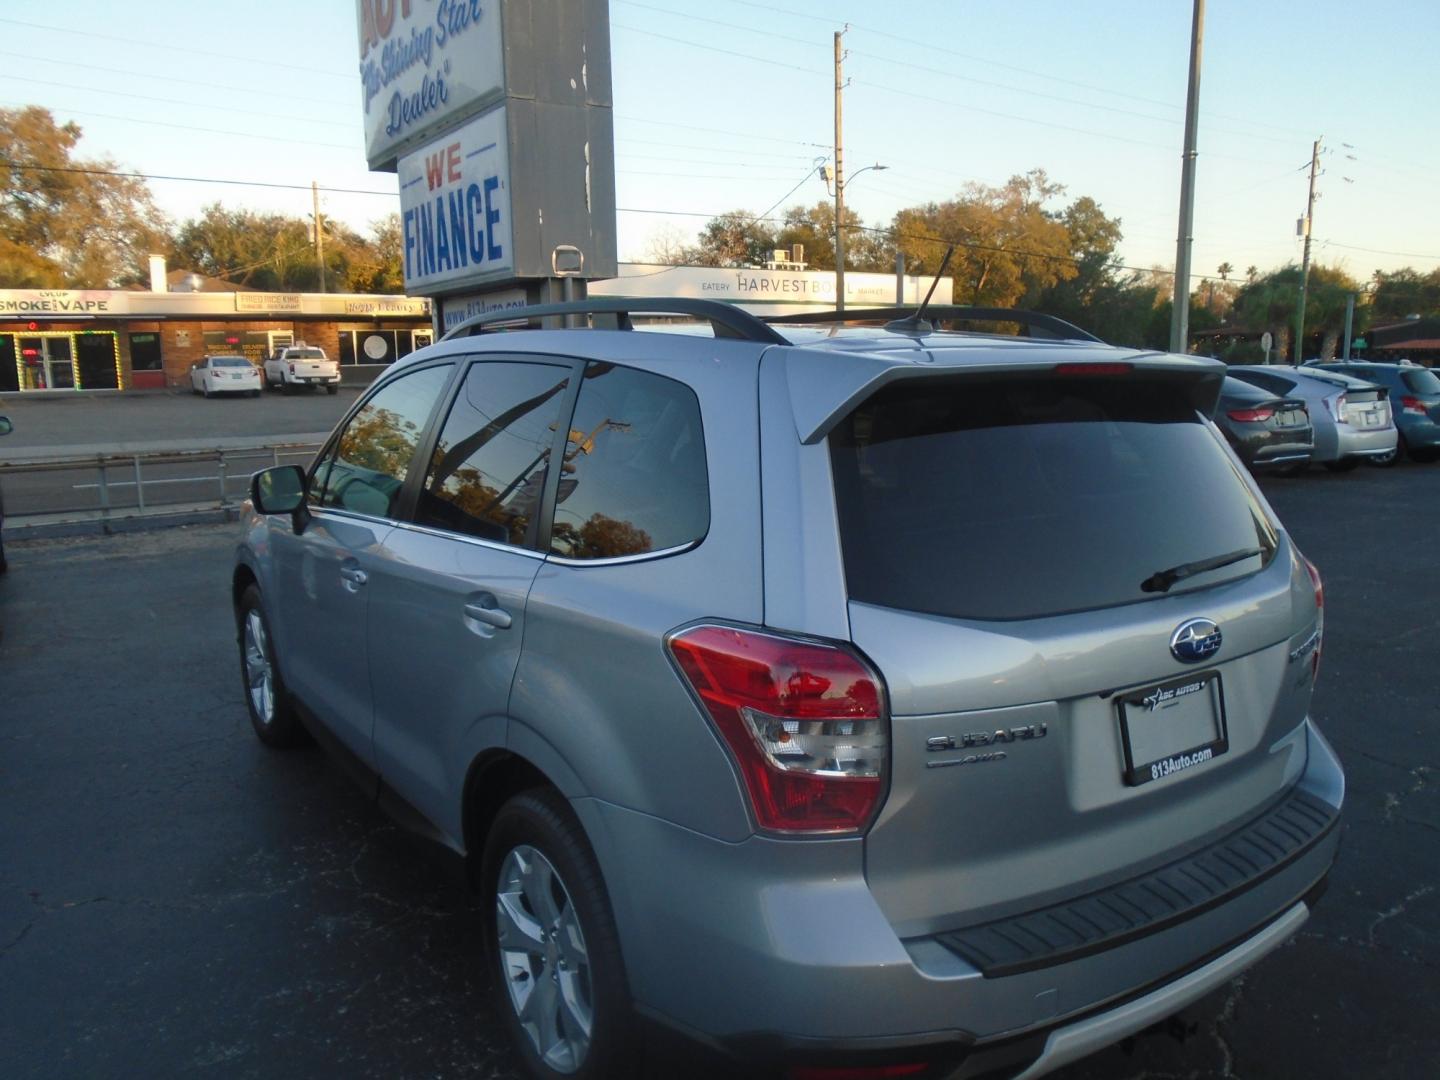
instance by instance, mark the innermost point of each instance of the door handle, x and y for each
(354, 575)
(491, 616)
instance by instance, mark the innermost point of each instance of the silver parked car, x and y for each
(1351, 417)
(860, 701)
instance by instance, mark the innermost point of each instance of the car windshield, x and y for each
(1021, 498)
(229, 361)
(305, 354)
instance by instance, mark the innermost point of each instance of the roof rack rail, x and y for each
(725, 320)
(1053, 327)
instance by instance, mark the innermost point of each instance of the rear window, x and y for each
(1421, 382)
(1020, 498)
(305, 354)
(229, 361)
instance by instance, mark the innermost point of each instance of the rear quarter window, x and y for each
(1020, 498)
(1421, 382)
(635, 478)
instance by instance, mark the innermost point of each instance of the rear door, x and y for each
(449, 586)
(1039, 567)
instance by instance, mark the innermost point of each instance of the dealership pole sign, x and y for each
(496, 116)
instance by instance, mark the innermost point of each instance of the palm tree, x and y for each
(1251, 273)
(1225, 270)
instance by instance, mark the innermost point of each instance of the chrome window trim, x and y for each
(332, 511)
(491, 545)
(618, 560)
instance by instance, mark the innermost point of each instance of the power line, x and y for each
(290, 96)
(167, 101)
(190, 127)
(187, 50)
(4, 164)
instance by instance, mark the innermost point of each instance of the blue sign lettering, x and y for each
(453, 230)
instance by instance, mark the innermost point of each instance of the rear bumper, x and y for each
(777, 951)
(1359, 442)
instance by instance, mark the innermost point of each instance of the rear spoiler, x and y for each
(820, 399)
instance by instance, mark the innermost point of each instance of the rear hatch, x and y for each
(1422, 393)
(1365, 408)
(1026, 556)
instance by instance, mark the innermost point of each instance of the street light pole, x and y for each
(839, 184)
(1305, 262)
(1180, 312)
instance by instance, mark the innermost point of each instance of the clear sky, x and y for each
(725, 104)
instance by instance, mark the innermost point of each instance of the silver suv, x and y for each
(861, 701)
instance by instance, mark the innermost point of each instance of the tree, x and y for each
(1271, 301)
(1006, 240)
(64, 220)
(734, 238)
(1225, 270)
(1093, 237)
(813, 227)
(1401, 293)
(276, 251)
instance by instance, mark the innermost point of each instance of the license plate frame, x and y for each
(1193, 707)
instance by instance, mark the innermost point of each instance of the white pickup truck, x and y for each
(301, 365)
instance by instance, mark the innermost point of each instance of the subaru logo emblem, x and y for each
(1195, 640)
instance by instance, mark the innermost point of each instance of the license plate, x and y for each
(1172, 727)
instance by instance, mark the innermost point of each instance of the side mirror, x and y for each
(6, 426)
(281, 490)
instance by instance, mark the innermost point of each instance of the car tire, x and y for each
(205, 391)
(271, 714)
(1391, 457)
(254, 393)
(1425, 456)
(558, 977)
(333, 388)
(1343, 464)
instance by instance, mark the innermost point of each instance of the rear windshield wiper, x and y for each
(1161, 580)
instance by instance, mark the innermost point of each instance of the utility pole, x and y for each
(319, 235)
(1180, 311)
(839, 181)
(1305, 262)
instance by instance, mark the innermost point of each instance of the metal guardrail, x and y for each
(109, 485)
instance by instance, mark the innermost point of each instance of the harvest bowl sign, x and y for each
(423, 62)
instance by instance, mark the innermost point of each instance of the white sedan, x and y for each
(224, 375)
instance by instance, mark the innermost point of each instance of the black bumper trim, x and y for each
(1150, 903)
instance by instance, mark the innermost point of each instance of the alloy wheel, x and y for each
(543, 958)
(259, 679)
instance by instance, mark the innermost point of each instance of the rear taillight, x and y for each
(1319, 615)
(1251, 416)
(805, 721)
(1413, 405)
(292, 369)
(1337, 407)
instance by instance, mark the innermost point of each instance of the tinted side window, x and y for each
(635, 477)
(366, 467)
(488, 470)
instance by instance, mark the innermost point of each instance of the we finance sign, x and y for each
(455, 208)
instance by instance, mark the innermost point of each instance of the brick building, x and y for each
(59, 339)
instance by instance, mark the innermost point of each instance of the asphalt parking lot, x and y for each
(174, 898)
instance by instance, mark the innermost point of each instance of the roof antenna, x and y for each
(916, 324)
